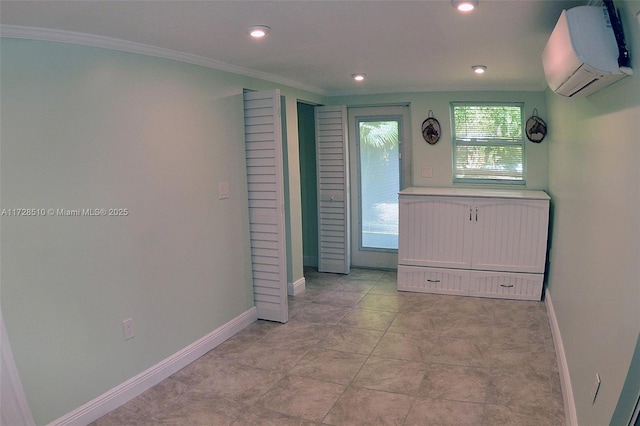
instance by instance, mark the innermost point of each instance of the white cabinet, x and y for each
(475, 242)
(433, 232)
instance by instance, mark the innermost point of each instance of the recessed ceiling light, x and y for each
(258, 31)
(479, 69)
(358, 77)
(465, 5)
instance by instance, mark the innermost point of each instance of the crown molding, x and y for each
(60, 36)
(441, 88)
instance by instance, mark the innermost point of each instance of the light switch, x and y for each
(223, 190)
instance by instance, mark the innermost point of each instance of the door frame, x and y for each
(374, 257)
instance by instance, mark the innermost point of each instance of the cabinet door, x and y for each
(435, 231)
(510, 235)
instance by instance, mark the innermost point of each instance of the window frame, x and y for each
(456, 143)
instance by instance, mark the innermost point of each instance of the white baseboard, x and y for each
(565, 381)
(293, 289)
(133, 387)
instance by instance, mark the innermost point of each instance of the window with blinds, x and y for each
(488, 142)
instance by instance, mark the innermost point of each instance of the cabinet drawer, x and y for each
(505, 285)
(433, 280)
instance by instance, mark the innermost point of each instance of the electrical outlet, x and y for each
(127, 328)
(595, 389)
(427, 172)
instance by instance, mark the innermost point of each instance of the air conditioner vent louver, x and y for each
(584, 87)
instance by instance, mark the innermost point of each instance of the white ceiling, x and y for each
(401, 45)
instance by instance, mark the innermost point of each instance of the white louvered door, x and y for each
(334, 251)
(263, 147)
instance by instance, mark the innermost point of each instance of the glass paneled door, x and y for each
(376, 158)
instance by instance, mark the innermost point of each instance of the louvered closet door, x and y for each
(263, 144)
(334, 251)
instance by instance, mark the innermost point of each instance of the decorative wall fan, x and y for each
(536, 128)
(431, 129)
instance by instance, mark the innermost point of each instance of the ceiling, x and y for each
(317, 45)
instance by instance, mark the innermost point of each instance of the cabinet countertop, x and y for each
(476, 193)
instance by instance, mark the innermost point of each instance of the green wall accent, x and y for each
(308, 182)
(83, 127)
(594, 271)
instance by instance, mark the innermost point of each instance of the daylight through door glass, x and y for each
(379, 183)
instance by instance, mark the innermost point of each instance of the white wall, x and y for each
(91, 128)
(594, 275)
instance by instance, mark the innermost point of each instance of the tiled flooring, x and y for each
(356, 352)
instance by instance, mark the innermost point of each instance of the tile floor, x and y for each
(357, 352)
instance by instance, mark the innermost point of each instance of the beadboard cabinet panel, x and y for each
(504, 285)
(434, 232)
(483, 243)
(510, 235)
(433, 280)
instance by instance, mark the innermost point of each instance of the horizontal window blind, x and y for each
(488, 142)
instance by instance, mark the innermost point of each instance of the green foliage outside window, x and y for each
(488, 142)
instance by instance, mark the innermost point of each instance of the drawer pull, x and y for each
(433, 281)
(507, 286)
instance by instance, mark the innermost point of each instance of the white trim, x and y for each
(60, 36)
(133, 387)
(14, 407)
(570, 413)
(297, 287)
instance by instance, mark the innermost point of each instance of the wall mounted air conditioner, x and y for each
(581, 56)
